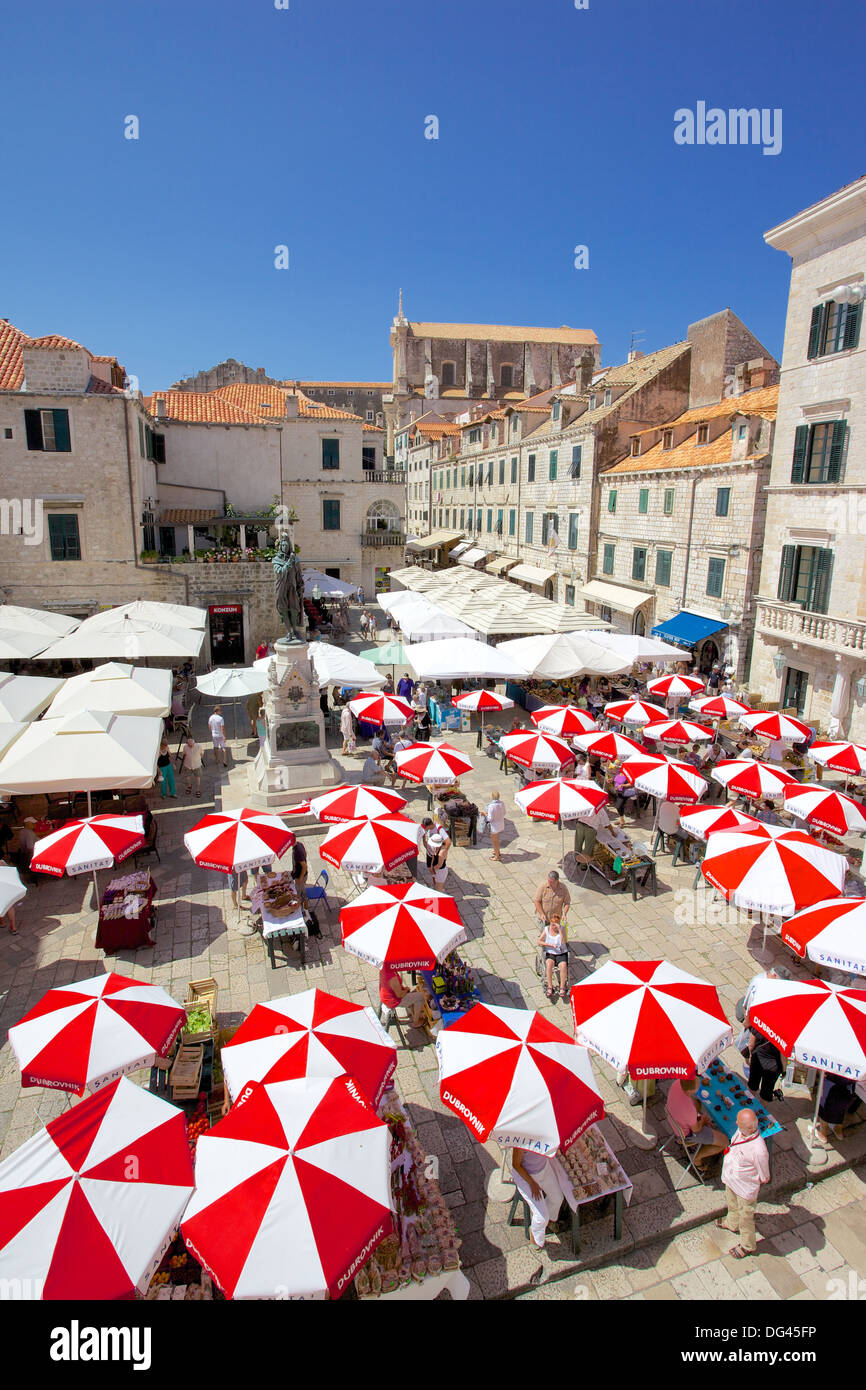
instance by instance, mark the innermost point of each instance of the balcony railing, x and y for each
(380, 539)
(387, 475)
(819, 629)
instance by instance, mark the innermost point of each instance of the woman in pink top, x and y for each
(393, 992)
(682, 1107)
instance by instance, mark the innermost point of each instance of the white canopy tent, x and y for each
(639, 648)
(25, 697)
(461, 659)
(117, 688)
(125, 639)
(333, 666)
(425, 622)
(149, 611)
(560, 656)
(327, 585)
(89, 751)
(37, 622)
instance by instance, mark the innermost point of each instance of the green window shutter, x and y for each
(663, 568)
(608, 560)
(33, 426)
(816, 330)
(530, 469)
(529, 521)
(611, 500)
(852, 326)
(786, 573)
(62, 443)
(821, 580)
(512, 522)
(801, 448)
(554, 454)
(669, 501)
(643, 501)
(837, 449)
(501, 471)
(514, 470)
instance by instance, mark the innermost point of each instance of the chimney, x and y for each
(763, 371)
(635, 355)
(291, 405)
(159, 408)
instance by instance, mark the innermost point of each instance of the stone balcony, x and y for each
(379, 539)
(395, 476)
(786, 621)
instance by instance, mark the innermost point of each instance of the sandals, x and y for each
(548, 992)
(740, 1253)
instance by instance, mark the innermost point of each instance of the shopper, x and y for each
(217, 726)
(436, 842)
(347, 728)
(553, 939)
(166, 770)
(495, 823)
(745, 1168)
(552, 898)
(191, 765)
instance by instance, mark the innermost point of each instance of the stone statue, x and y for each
(289, 588)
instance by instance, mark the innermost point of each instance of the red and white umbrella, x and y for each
(381, 709)
(241, 839)
(404, 925)
(635, 712)
(659, 776)
(609, 745)
(561, 798)
(754, 780)
(831, 932)
(436, 764)
(839, 756)
(293, 1190)
(371, 846)
(564, 720)
(768, 868)
(665, 686)
(776, 726)
(94, 842)
(356, 803)
(86, 1034)
(300, 808)
(678, 731)
(89, 1205)
(826, 809)
(706, 820)
(719, 707)
(482, 701)
(310, 1034)
(512, 1076)
(528, 748)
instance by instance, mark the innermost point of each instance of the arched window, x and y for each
(383, 516)
(638, 626)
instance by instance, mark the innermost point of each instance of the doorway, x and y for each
(796, 685)
(226, 634)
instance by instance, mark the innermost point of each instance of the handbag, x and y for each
(440, 874)
(482, 823)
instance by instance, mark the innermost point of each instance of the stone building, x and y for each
(418, 446)
(810, 648)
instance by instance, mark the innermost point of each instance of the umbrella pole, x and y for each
(95, 879)
(818, 1090)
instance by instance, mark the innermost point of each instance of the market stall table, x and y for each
(127, 915)
(596, 1175)
(463, 991)
(722, 1095)
(279, 927)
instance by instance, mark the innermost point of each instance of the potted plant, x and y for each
(149, 557)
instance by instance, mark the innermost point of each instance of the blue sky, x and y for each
(305, 127)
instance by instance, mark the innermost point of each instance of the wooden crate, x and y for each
(185, 1075)
(203, 992)
(200, 1035)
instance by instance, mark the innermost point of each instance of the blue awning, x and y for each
(687, 629)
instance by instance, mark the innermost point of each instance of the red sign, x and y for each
(226, 608)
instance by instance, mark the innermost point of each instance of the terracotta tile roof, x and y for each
(97, 387)
(341, 385)
(503, 333)
(55, 340)
(187, 516)
(95, 357)
(689, 454)
(483, 419)
(762, 401)
(250, 397)
(12, 341)
(200, 408)
(377, 429)
(436, 429)
(632, 376)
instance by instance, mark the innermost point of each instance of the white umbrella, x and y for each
(89, 751)
(117, 688)
(558, 656)
(8, 735)
(333, 666)
(148, 611)
(18, 645)
(25, 697)
(12, 890)
(232, 684)
(392, 603)
(327, 585)
(461, 658)
(628, 644)
(426, 623)
(124, 639)
(36, 621)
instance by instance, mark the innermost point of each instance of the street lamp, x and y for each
(779, 664)
(860, 687)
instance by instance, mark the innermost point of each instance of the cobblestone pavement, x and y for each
(669, 1246)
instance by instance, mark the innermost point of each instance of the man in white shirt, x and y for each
(668, 820)
(745, 1168)
(191, 765)
(217, 726)
(495, 814)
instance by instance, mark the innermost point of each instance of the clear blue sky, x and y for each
(305, 127)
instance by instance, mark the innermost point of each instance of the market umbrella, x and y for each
(482, 702)
(564, 720)
(23, 698)
(12, 890)
(849, 758)
(113, 637)
(150, 611)
(333, 666)
(241, 839)
(293, 1190)
(608, 745)
(562, 799)
(677, 731)
(8, 735)
(116, 687)
(328, 586)
(561, 655)
(355, 803)
(771, 869)
(826, 809)
(651, 1019)
(404, 925)
(663, 778)
(719, 707)
(665, 686)
(635, 648)
(529, 748)
(753, 780)
(83, 846)
(461, 658)
(233, 683)
(36, 621)
(433, 764)
(817, 1024)
(89, 1205)
(83, 1035)
(17, 644)
(635, 712)
(512, 1076)
(371, 846)
(776, 726)
(831, 932)
(706, 820)
(425, 622)
(376, 709)
(310, 1034)
(392, 654)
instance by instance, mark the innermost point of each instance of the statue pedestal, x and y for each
(294, 762)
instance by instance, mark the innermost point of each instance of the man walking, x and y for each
(191, 765)
(745, 1168)
(552, 899)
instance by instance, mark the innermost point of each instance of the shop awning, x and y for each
(500, 565)
(687, 629)
(459, 549)
(531, 574)
(434, 540)
(613, 596)
(471, 557)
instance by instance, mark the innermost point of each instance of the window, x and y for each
(330, 453)
(148, 531)
(818, 452)
(834, 327)
(635, 445)
(556, 410)
(529, 524)
(607, 559)
(514, 470)
(472, 477)
(489, 518)
(530, 469)
(804, 577)
(742, 432)
(474, 436)
(461, 518)
(447, 516)
(663, 568)
(330, 516)
(512, 522)
(703, 434)
(462, 477)
(569, 594)
(478, 520)
(490, 473)
(48, 430)
(576, 453)
(448, 374)
(551, 465)
(368, 458)
(592, 402)
(611, 500)
(796, 685)
(63, 532)
(330, 391)
(369, 414)
(573, 520)
(448, 480)
(514, 424)
(667, 439)
(669, 501)
(440, 516)
(494, 434)
(715, 577)
(643, 501)
(638, 563)
(723, 501)
(499, 516)
(607, 397)
(548, 528)
(506, 376)
(501, 472)
(156, 444)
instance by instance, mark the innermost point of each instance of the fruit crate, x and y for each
(200, 1035)
(203, 992)
(185, 1076)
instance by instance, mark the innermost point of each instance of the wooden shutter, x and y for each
(62, 444)
(786, 573)
(801, 447)
(837, 449)
(33, 426)
(816, 330)
(159, 448)
(821, 579)
(851, 336)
